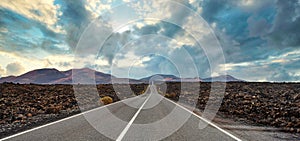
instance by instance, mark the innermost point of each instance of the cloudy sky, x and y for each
(259, 39)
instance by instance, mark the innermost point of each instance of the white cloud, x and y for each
(180, 40)
(158, 9)
(192, 1)
(97, 7)
(14, 68)
(214, 25)
(199, 31)
(43, 11)
(28, 64)
(247, 2)
(279, 61)
(252, 5)
(60, 62)
(2, 71)
(88, 61)
(290, 53)
(7, 58)
(268, 68)
(126, 60)
(3, 30)
(139, 25)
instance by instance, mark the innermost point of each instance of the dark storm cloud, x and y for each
(258, 27)
(257, 32)
(163, 28)
(252, 32)
(277, 23)
(74, 12)
(211, 8)
(149, 29)
(285, 31)
(74, 19)
(231, 29)
(113, 44)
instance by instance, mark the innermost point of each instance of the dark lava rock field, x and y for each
(263, 104)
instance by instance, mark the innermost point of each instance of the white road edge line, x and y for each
(205, 120)
(64, 119)
(131, 121)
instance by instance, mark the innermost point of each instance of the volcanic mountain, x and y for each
(53, 76)
(89, 76)
(161, 77)
(40, 76)
(222, 78)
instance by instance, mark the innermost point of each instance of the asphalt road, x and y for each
(146, 117)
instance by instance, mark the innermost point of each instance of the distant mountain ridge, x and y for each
(165, 77)
(36, 76)
(54, 76)
(223, 78)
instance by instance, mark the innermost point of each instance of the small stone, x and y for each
(29, 115)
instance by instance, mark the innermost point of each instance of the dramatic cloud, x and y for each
(282, 67)
(97, 7)
(260, 39)
(258, 28)
(283, 75)
(14, 68)
(75, 19)
(26, 36)
(285, 31)
(45, 12)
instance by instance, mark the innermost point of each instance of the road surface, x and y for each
(146, 117)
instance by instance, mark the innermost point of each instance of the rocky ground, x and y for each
(24, 106)
(264, 104)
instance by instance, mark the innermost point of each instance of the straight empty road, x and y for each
(146, 117)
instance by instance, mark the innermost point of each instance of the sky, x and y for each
(259, 40)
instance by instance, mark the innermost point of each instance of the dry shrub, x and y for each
(106, 100)
(171, 95)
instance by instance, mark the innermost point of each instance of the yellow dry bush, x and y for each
(142, 92)
(106, 100)
(171, 95)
